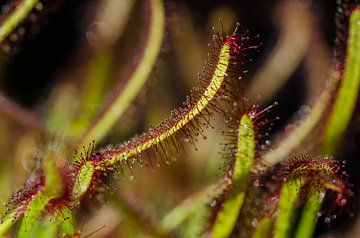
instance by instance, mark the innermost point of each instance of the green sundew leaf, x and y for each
(15, 18)
(288, 201)
(44, 229)
(137, 80)
(35, 207)
(5, 185)
(340, 116)
(226, 218)
(65, 221)
(8, 220)
(53, 188)
(262, 229)
(309, 216)
(83, 180)
(6, 223)
(349, 88)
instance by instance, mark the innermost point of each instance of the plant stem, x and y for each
(137, 80)
(349, 89)
(340, 115)
(245, 153)
(15, 18)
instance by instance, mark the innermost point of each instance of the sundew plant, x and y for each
(154, 118)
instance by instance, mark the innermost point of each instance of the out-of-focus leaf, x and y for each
(340, 116)
(305, 127)
(190, 205)
(262, 229)
(137, 80)
(349, 89)
(288, 201)
(15, 18)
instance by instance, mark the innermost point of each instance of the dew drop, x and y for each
(343, 202)
(33, 17)
(6, 48)
(39, 6)
(254, 222)
(96, 32)
(5, 9)
(275, 199)
(174, 158)
(327, 220)
(14, 37)
(321, 197)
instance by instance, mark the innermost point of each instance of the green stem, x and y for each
(306, 127)
(349, 88)
(309, 217)
(340, 115)
(287, 204)
(226, 218)
(137, 80)
(8, 221)
(262, 230)
(99, 74)
(15, 18)
(53, 188)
